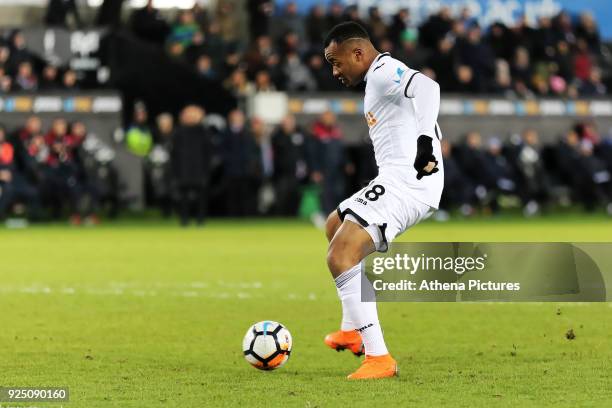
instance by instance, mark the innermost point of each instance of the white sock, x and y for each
(347, 323)
(362, 315)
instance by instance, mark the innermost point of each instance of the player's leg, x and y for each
(347, 338)
(349, 246)
(332, 225)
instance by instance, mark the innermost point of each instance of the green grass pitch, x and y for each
(139, 314)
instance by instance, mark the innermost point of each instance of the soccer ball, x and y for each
(267, 345)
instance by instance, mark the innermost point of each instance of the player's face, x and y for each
(345, 63)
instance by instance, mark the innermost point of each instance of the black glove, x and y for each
(424, 156)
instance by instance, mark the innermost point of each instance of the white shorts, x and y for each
(384, 209)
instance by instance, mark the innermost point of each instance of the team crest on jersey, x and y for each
(370, 119)
(399, 73)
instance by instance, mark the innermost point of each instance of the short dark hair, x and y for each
(343, 31)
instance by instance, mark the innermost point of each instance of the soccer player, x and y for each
(401, 109)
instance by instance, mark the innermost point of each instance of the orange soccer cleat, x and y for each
(375, 367)
(342, 340)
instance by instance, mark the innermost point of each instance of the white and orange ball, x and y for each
(267, 345)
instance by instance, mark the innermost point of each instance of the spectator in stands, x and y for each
(435, 28)
(499, 173)
(521, 69)
(158, 167)
(297, 73)
(562, 28)
(465, 81)
(321, 74)
(19, 52)
(138, 137)
(182, 32)
(14, 185)
(399, 24)
(543, 39)
(89, 201)
(26, 80)
(593, 86)
(242, 161)
(58, 12)
(62, 184)
(109, 13)
(376, 24)
(258, 53)
(204, 66)
(215, 46)
(582, 61)
(478, 57)
(458, 189)
(239, 85)
(472, 159)
(290, 44)
(148, 24)
(599, 180)
(409, 52)
(532, 178)
(441, 61)
(571, 170)
(21, 140)
(335, 15)
(266, 158)
(500, 41)
(316, 26)
(32, 127)
(6, 84)
(191, 156)
(290, 165)
(588, 31)
(5, 55)
(49, 78)
(503, 79)
(162, 134)
(290, 20)
(195, 49)
(229, 24)
(260, 12)
(7, 169)
(351, 13)
(328, 160)
(70, 80)
(563, 61)
(263, 82)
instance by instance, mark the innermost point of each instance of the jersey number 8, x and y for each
(376, 191)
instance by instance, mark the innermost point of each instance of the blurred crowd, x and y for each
(282, 49)
(197, 164)
(234, 166)
(559, 56)
(22, 70)
(484, 175)
(56, 172)
(239, 167)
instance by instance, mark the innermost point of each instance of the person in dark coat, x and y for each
(58, 10)
(328, 160)
(149, 25)
(191, 157)
(458, 188)
(289, 152)
(243, 166)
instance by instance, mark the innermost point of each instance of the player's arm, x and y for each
(426, 95)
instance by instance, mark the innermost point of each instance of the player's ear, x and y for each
(358, 54)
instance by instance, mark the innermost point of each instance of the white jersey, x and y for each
(400, 105)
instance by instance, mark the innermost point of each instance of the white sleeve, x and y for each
(425, 93)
